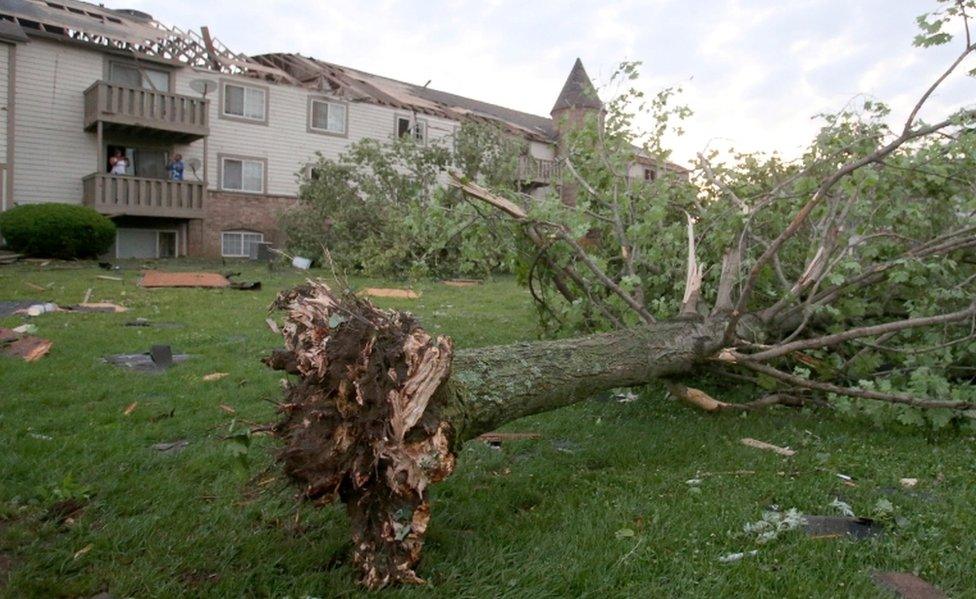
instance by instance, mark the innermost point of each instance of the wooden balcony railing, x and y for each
(135, 109)
(536, 170)
(141, 196)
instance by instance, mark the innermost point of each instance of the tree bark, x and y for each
(382, 407)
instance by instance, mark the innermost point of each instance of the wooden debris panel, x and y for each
(159, 278)
(394, 293)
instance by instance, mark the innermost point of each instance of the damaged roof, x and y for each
(362, 86)
(130, 32)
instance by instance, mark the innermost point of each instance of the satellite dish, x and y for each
(203, 86)
(194, 164)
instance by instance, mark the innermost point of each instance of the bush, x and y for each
(56, 231)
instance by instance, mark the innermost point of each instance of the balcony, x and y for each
(535, 171)
(133, 110)
(140, 196)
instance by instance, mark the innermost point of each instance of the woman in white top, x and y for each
(119, 163)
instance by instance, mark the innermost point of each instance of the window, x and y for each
(245, 102)
(404, 125)
(649, 174)
(137, 76)
(327, 117)
(239, 244)
(242, 174)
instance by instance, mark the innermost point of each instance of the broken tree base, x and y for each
(381, 406)
(357, 426)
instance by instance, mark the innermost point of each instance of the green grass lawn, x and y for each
(599, 506)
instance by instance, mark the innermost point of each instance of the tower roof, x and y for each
(578, 91)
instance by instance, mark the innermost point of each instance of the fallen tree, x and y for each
(848, 278)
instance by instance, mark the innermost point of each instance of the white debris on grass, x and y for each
(773, 524)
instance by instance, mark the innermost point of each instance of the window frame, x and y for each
(311, 123)
(110, 60)
(241, 118)
(241, 233)
(222, 158)
(414, 121)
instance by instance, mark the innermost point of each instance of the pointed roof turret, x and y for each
(578, 91)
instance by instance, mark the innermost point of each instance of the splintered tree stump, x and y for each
(381, 406)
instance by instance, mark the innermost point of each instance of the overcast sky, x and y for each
(754, 71)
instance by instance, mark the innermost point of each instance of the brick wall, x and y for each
(229, 211)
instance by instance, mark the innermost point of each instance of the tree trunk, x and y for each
(491, 386)
(381, 407)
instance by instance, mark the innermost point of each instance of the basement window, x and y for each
(239, 244)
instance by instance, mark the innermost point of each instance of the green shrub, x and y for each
(56, 231)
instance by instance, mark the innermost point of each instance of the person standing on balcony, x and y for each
(175, 168)
(119, 163)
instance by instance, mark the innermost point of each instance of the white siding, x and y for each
(285, 141)
(52, 151)
(4, 80)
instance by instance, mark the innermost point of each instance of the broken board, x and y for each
(159, 278)
(395, 293)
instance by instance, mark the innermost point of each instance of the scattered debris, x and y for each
(246, 285)
(34, 286)
(87, 296)
(83, 550)
(108, 278)
(27, 347)
(301, 263)
(108, 307)
(395, 293)
(272, 325)
(500, 438)
(9, 257)
(157, 359)
(145, 322)
(171, 447)
(844, 508)
(158, 278)
(462, 282)
(129, 409)
(833, 527)
(908, 483)
(565, 446)
(11, 307)
(162, 355)
(907, 585)
(624, 533)
(784, 451)
(38, 309)
(227, 408)
(734, 557)
(25, 329)
(773, 524)
(848, 480)
(215, 376)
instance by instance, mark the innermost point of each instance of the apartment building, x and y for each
(82, 86)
